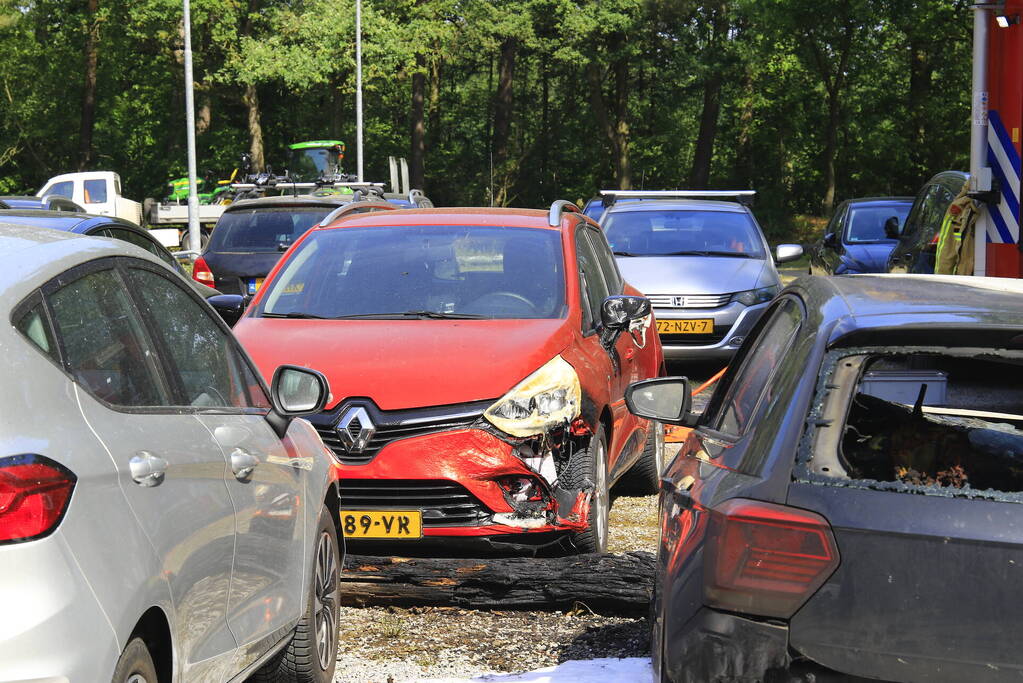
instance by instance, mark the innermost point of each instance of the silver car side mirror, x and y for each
(664, 399)
(787, 252)
(295, 391)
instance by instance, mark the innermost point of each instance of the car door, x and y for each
(265, 474)
(902, 256)
(170, 468)
(829, 254)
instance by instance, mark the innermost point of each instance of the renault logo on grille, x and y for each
(355, 429)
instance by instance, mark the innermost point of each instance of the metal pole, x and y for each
(194, 242)
(358, 88)
(980, 172)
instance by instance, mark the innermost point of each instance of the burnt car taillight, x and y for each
(766, 559)
(201, 272)
(34, 495)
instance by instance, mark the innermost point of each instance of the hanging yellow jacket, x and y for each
(960, 218)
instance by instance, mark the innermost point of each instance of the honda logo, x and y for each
(355, 429)
(678, 301)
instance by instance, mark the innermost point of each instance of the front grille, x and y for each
(694, 339)
(392, 425)
(444, 503)
(689, 300)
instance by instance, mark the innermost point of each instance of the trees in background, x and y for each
(511, 102)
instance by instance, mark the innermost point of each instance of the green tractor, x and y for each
(315, 160)
(209, 189)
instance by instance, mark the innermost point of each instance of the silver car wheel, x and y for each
(136, 678)
(601, 506)
(325, 601)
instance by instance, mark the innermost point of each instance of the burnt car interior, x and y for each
(945, 419)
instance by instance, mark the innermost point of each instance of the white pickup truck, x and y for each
(99, 192)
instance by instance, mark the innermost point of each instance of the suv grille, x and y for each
(689, 300)
(444, 503)
(392, 425)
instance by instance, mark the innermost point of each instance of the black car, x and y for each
(251, 235)
(855, 239)
(849, 506)
(918, 239)
(103, 226)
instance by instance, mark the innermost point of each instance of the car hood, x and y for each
(695, 274)
(403, 364)
(867, 258)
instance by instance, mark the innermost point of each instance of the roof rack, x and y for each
(356, 205)
(559, 207)
(742, 196)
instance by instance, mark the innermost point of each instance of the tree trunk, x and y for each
(433, 111)
(830, 151)
(920, 74)
(418, 125)
(251, 100)
(699, 176)
(744, 150)
(203, 117)
(616, 131)
(619, 584)
(90, 58)
(504, 107)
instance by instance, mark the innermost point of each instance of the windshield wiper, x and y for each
(294, 314)
(412, 314)
(736, 254)
(625, 253)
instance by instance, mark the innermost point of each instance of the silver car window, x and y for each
(104, 342)
(202, 356)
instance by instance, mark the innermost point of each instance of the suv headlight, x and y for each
(752, 297)
(550, 396)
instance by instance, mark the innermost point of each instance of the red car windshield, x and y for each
(424, 271)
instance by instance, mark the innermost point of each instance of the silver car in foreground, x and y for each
(703, 263)
(162, 515)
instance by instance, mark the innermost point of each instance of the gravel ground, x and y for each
(379, 644)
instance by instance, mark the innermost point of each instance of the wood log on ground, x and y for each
(604, 583)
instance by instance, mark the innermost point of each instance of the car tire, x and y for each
(135, 665)
(204, 237)
(644, 477)
(590, 464)
(311, 656)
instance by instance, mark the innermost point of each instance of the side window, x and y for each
(606, 260)
(204, 361)
(95, 191)
(36, 328)
(64, 189)
(591, 281)
(917, 213)
(105, 346)
(140, 241)
(839, 222)
(753, 378)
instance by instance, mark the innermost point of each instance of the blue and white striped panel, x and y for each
(1005, 165)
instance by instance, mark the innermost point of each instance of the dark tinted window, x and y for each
(866, 223)
(104, 341)
(752, 380)
(652, 233)
(36, 328)
(263, 229)
(493, 272)
(205, 363)
(140, 241)
(591, 280)
(606, 261)
(920, 210)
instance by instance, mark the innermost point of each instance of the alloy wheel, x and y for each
(325, 601)
(600, 494)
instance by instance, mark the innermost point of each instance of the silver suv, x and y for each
(703, 263)
(162, 516)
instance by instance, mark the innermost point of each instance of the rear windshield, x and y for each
(866, 223)
(264, 229)
(486, 272)
(683, 232)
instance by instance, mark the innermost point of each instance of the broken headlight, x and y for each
(548, 397)
(752, 297)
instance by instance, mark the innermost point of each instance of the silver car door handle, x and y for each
(242, 463)
(147, 469)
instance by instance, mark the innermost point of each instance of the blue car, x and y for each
(856, 239)
(101, 226)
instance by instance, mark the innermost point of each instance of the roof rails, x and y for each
(356, 205)
(559, 207)
(744, 197)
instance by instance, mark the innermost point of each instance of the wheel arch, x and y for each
(153, 628)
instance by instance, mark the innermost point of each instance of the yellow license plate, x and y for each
(698, 326)
(390, 524)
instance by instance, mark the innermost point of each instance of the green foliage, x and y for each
(901, 108)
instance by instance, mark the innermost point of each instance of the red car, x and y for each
(478, 359)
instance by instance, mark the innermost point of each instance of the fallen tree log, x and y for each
(604, 583)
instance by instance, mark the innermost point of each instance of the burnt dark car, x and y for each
(918, 238)
(849, 506)
(860, 236)
(251, 235)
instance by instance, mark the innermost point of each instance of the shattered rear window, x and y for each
(921, 420)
